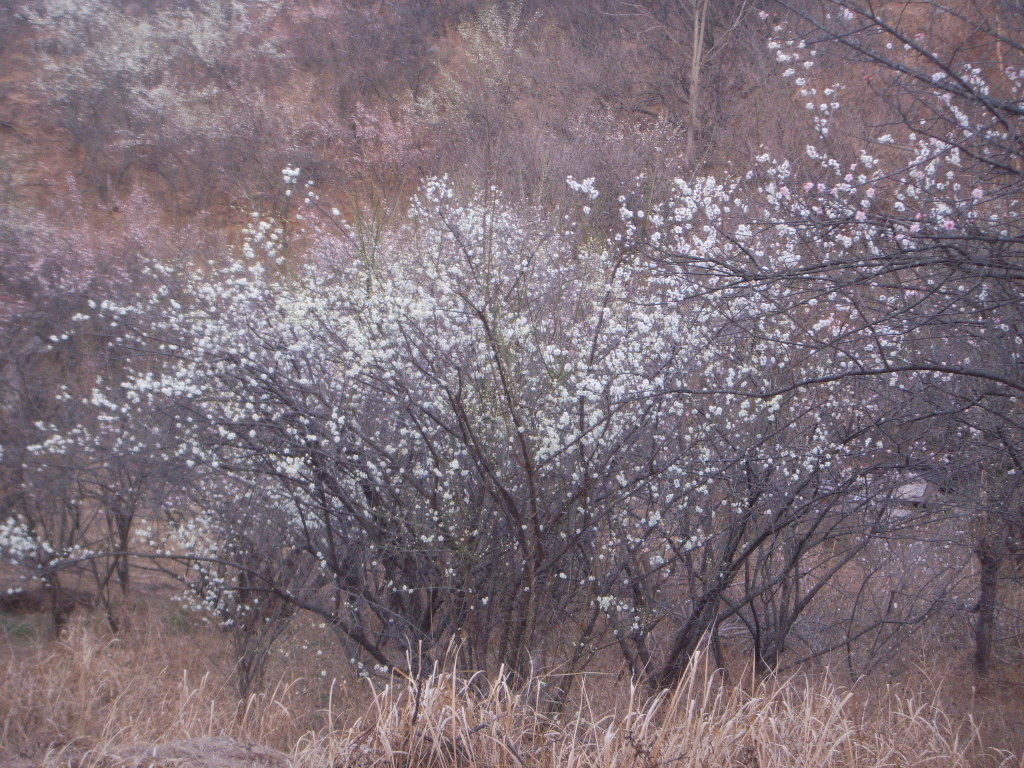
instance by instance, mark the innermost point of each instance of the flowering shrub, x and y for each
(489, 421)
(485, 426)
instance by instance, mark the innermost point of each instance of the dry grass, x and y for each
(447, 723)
(90, 693)
(91, 701)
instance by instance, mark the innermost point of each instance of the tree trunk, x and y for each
(988, 564)
(700, 18)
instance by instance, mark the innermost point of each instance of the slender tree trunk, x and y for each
(700, 18)
(988, 564)
(686, 641)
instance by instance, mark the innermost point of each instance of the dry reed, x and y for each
(86, 700)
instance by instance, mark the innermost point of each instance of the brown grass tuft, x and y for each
(155, 699)
(446, 722)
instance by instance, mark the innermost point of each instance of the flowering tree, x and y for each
(69, 491)
(440, 424)
(481, 425)
(903, 258)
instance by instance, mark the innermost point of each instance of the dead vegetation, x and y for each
(162, 698)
